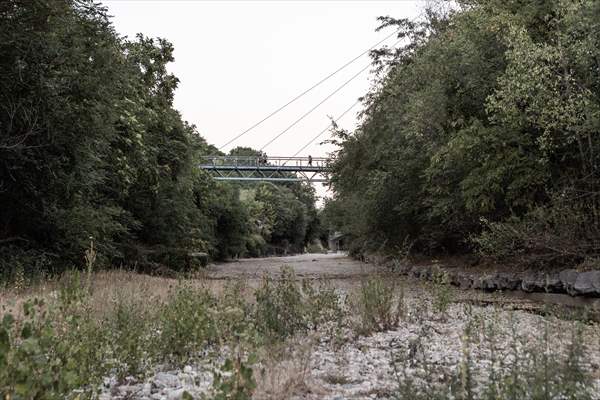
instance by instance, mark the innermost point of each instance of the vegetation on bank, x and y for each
(91, 146)
(480, 134)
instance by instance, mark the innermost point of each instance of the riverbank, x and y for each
(465, 274)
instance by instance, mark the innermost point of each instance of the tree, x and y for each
(489, 112)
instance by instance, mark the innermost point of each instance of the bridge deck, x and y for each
(275, 169)
(284, 168)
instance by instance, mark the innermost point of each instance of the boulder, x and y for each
(507, 281)
(426, 272)
(460, 279)
(477, 283)
(490, 282)
(500, 281)
(532, 282)
(553, 284)
(587, 283)
(567, 279)
(541, 282)
(166, 380)
(415, 272)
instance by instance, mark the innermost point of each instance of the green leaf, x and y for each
(228, 365)
(252, 358)
(26, 331)
(4, 343)
(8, 320)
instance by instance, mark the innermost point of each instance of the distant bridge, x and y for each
(270, 169)
(288, 169)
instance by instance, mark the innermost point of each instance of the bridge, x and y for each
(269, 169)
(286, 169)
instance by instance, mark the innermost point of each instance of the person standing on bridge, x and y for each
(310, 160)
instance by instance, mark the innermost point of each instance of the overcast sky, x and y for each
(239, 60)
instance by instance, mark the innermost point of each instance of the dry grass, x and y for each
(284, 368)
(106, 286)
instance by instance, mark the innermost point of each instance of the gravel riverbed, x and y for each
(347, 366)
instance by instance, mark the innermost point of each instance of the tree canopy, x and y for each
(91, 148)
(480, 133)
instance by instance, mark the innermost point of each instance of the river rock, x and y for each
(542, 282)
(553, 284)
(587, 283)
(477, 283)
(507, 281)
(147, 389)
(166, 380)
(461, 280)
(426, 272)
(532, 282)
(500, 281)
(176, 394)
(490, 282)
(567, 279)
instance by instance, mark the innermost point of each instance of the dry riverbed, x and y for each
(426, 348)
(447, 344)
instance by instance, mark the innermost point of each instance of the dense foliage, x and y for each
(91, 146)
(481, 132)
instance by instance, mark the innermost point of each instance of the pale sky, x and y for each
(239, 60)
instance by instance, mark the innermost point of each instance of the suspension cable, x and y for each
(306, 91)
(327, 128)
(321, 102)
(315, 107)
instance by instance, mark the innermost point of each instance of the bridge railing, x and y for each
(265, 161)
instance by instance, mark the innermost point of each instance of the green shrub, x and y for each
(279, 306)
(233, 316)
(379, 307)
(560, 233)
(20, 267)
(316, 248)
(129, 327)
(235, 379)
(322, 304)
(442, 291)
(47, 355)
(186, 323)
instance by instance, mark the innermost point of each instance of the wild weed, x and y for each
(235, 378)
(232, 316)
(129, 328)
(90, 259)
(186, 323)
(442, 292)
(322, 304)
(379, 305)
(279, 307)
(46, 356)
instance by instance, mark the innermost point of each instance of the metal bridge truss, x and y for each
(270, 169)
